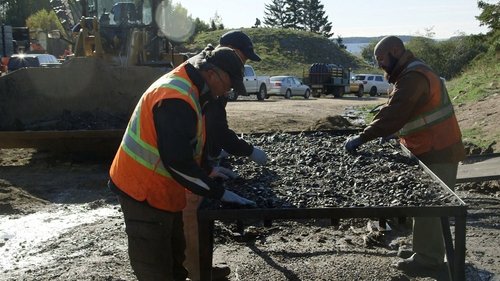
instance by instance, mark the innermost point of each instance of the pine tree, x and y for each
(294, 14)
(340, 43)
(315, 19)
(275, 14)
(213, 26)
(490, 15)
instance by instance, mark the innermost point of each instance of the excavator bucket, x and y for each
(84, 105)
(84, 94)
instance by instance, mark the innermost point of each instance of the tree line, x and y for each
(449, 57)
(15, 12)
(308, 15)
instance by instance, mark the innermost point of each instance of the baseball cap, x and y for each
(227, 60)
(239, 40)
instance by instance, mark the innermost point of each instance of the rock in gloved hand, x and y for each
(231, 197)
(221, 172)
(386, 139)
(352, 144)
(258, 156)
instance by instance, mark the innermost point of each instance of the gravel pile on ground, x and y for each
(86, 120)
(310, 170)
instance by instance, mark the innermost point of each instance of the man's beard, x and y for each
(392, 64)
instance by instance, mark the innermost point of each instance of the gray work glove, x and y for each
(223, 154)
(221, 172)
(231, 197)
(352, 144)
(258, 156)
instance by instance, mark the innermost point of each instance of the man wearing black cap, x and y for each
(161, 156)
(241, 43)
(219, 137)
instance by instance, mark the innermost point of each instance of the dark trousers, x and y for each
(155, 241)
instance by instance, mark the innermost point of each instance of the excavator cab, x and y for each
(123, 31)
(88, 42)
(124, 13)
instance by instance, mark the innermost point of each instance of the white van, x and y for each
(374, 84)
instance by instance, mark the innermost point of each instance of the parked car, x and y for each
(18, 61)
(288, 86)
(254, 85)
(374, 84)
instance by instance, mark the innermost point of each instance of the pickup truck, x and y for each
(253, 84)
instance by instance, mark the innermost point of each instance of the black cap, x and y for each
(239, 40)
(227, 60)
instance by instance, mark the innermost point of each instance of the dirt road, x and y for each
(59, 222)
(278, 114)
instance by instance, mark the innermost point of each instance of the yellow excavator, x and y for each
(83, 106)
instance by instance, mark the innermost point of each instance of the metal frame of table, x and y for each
(455, 252)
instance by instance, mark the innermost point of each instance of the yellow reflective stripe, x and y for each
(136, 117)
(185, 89)
(178, 84)
(147, 157)
(183, 86)
(146, 154)
(159, 169)
(141, 151)
(428, 119)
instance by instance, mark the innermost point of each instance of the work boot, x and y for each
(417, 263)
(220, 272)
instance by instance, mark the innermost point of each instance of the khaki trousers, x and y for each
(428, 240)
(190, 218)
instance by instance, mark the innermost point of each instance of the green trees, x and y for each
(367, 52)
(490, 15)
(294, 14)
(315, 19)
(275, 14)
(449, 57)
(44, 20)
(298, 14)
(15, 12)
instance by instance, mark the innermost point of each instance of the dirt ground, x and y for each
(58, 221)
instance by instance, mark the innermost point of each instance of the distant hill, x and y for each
(357, 40)
(285, 51)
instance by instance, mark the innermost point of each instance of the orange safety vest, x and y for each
(137, 168)
(434, 125)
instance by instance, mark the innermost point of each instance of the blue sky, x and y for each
(359, 17)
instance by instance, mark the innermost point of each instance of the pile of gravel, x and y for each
(312, 170)
(86, 120)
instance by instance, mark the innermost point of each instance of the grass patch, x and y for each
(480, 80)
(286, 51)
(477, 136)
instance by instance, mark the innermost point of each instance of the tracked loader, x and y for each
(120, 48)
